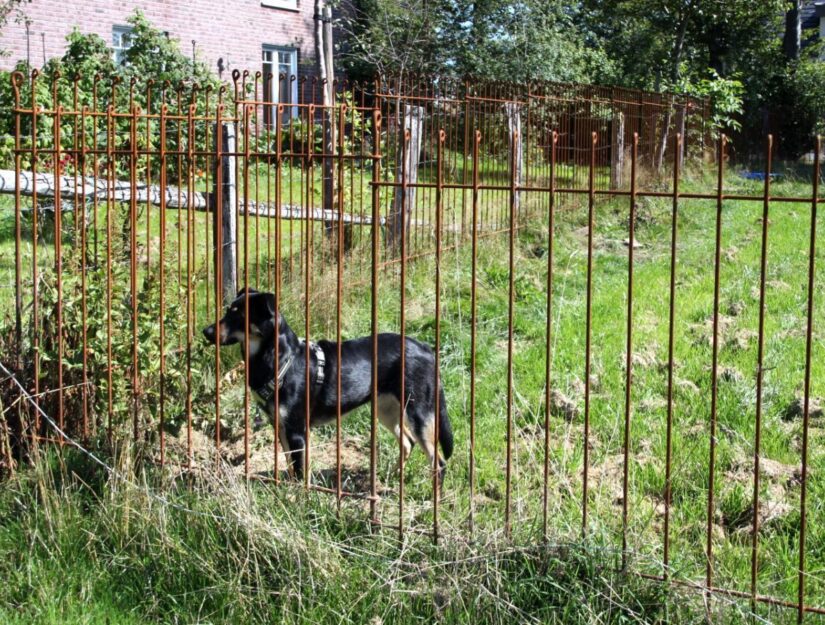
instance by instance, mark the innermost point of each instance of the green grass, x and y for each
(584, 571)
(79, 548)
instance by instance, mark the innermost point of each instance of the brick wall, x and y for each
(234, 30)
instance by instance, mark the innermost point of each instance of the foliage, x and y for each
(725, 95)
(110, 333)
(493, 39)
(809, 86)
(154, 73)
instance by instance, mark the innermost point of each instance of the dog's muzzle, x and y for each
(212, 336)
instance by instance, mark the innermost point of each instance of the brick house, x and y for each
(274, 36)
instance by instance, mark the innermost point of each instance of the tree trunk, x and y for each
(792, 41)
(323, 58)
(675, 60)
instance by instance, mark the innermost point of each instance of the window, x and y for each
(281, 4)
(279, 66)
(121, 41)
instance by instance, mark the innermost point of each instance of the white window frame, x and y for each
(290, 5)
(275, 63)
(118, 50)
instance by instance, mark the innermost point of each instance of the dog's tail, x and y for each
(445, 429)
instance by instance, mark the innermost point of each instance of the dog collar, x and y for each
(266, 393)
(321, 361)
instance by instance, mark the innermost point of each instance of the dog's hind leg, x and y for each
(426, 437)
(388, 414)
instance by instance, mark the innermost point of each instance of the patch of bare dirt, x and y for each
(687, 386)
(777, 479)
(796, 409)
(577, 385)
(562, 406)
(609, 473)
(652, 404)
(741, 339)
(736, 308)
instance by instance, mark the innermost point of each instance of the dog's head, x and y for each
(231, 328)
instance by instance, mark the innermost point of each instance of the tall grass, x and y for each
(77, 546)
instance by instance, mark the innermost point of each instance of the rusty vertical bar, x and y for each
(95, 151)
(760, 359)
(466, 146)
(309, 207)
(191, 309)
(257, 182)
(342, 112)
(133, 278)
(35, 278)
(58, 251)
(110, 183)
(715, 364)
(437, 381)
(276, 398)
(548, 334)
(16, 82)
(191, 239)
(247, 109)
(162, 279)
(628, 386)
(508, 475)
(403, 332)
(209, 206)
(803, 496)
(148, 140)
(591, 202)
(240, 111)
(75, 153)
(83, 257)
(670, 358)
(376, 218)
(473, 327)
(179, 128)
(218, 220)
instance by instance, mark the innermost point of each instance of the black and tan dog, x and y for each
(356, 379)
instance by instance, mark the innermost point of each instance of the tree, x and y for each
(494, 39)
(792, 42)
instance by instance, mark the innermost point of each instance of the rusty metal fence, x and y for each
(134, 228)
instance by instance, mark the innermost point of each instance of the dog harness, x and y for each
(266, 393)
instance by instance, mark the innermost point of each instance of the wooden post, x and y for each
(228, 219)
(512, 109)
(617, 156)
(660, 155)
(413, 122)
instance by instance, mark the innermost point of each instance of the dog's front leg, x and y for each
(295, 445)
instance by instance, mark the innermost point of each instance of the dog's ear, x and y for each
(245, 291)
(267, 327)
(269, 298)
